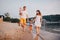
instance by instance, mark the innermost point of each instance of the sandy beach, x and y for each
(11, 31)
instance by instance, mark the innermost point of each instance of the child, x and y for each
(20, 13)
(38, 21)
(30, 26)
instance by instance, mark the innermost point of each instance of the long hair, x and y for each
(38, 13)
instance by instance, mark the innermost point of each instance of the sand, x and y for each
(11, 31)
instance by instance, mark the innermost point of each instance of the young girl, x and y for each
(20, 13)
(30, 26)
(38, 21)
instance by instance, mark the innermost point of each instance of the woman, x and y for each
(38, 21)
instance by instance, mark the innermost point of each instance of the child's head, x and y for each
(24, 7)
(31, 21)
(38, 12)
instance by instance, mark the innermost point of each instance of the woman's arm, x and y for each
(41, 19)
(34, 19)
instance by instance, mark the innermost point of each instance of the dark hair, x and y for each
(24, 6)
(38, 13)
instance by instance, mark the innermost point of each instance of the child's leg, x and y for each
(19, 23)
(30, 28)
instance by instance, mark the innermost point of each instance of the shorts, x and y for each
(23, 21)
(37, 24)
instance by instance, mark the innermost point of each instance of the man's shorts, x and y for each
(23, 21)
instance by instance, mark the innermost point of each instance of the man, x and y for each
(23, 16)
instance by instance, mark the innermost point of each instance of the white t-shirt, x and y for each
(24, 14)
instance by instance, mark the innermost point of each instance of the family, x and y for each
(24, 15)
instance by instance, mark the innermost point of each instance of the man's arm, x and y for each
(27, 15)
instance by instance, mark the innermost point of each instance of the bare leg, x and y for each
(30, 28)
(37, 33)
(37, 30)
(19, 24)
(36, 37)
(24, 27)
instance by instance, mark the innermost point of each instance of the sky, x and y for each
(47, 7)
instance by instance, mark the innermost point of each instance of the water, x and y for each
(47, 30)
